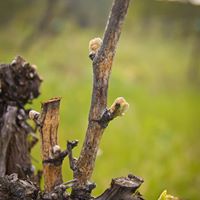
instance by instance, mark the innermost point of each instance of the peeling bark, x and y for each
(49, 121)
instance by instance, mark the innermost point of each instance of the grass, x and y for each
(158, 137)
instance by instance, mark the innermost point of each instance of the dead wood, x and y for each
(49, 121)
(52, 155)
(13, 188)
(123, 188)
(19, 85)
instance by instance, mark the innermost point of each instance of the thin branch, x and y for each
(35, 116)
(102, 63)
(59, 155)
(72, 160)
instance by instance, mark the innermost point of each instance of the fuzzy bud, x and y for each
(94, 46)
(56, 149)
(33, 114)
(119, 107)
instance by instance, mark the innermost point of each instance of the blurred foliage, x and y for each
(165, 196)
(154, 68)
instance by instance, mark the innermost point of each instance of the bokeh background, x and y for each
(156, 68)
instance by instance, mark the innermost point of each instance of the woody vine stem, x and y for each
(99, 115)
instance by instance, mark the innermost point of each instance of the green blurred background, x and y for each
(156, 68)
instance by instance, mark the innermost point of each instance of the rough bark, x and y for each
(19, 85)
(123, 188)
(49, 121)
(13, 188)
(52, 156)
(6, 134)
(102, 64)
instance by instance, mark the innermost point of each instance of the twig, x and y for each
(72, 160)
(35, 116)
(102, 64)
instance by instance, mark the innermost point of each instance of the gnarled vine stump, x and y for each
(19, 85)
